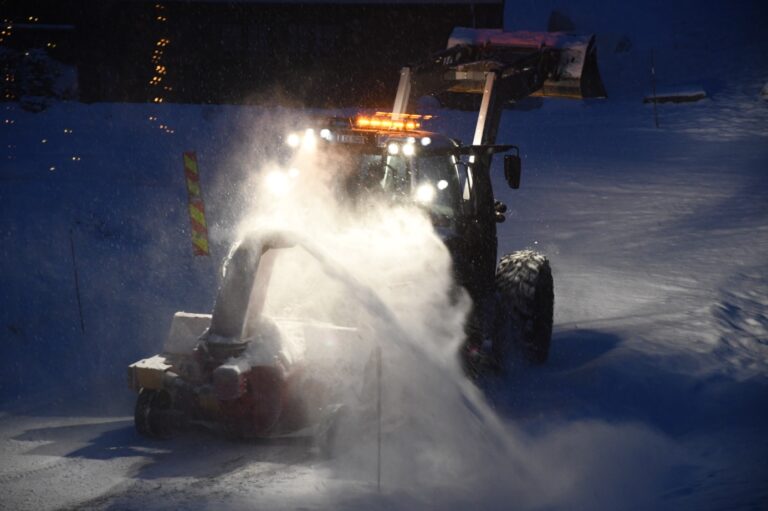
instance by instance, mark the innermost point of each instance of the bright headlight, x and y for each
(409, 149)
(309, 140)
(425, 193)
(278, 183)
(442, 184)
(393, 148)
(293, 140)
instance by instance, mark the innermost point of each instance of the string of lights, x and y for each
(9, 84)
(158, 83)
(9, 77)
(6, 31)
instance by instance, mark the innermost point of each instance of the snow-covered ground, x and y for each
(655, 393)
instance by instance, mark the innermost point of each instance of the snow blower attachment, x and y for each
(239, 368)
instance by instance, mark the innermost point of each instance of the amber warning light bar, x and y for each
(390, 121)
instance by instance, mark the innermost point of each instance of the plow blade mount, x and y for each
(553, 64)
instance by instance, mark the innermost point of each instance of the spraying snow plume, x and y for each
(380, 270)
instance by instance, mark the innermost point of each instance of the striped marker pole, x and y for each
(196, 206)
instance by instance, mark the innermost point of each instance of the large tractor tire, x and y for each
(152, 414)
(526, 305)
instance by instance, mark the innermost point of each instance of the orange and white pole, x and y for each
(196, 206)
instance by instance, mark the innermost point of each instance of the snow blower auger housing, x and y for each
(240, 369)
(390, 155)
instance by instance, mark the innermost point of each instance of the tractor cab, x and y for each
(388, 158)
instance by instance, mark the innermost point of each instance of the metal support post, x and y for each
(403, 93)
(485, 132)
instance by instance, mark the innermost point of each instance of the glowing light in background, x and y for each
(442, 184)
(393, 148)
(409, 149)
(159, 69)
(9, 76)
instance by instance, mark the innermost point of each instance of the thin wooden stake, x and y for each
(378, 417)
(77, 281)
(653, 89)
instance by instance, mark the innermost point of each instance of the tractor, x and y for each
(236, 367)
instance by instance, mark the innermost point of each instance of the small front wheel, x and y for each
(152, 415)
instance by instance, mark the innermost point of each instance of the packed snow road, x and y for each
(653, 398)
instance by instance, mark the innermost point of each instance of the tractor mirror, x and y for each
(512, 170)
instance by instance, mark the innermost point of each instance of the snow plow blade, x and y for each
(569, 68)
